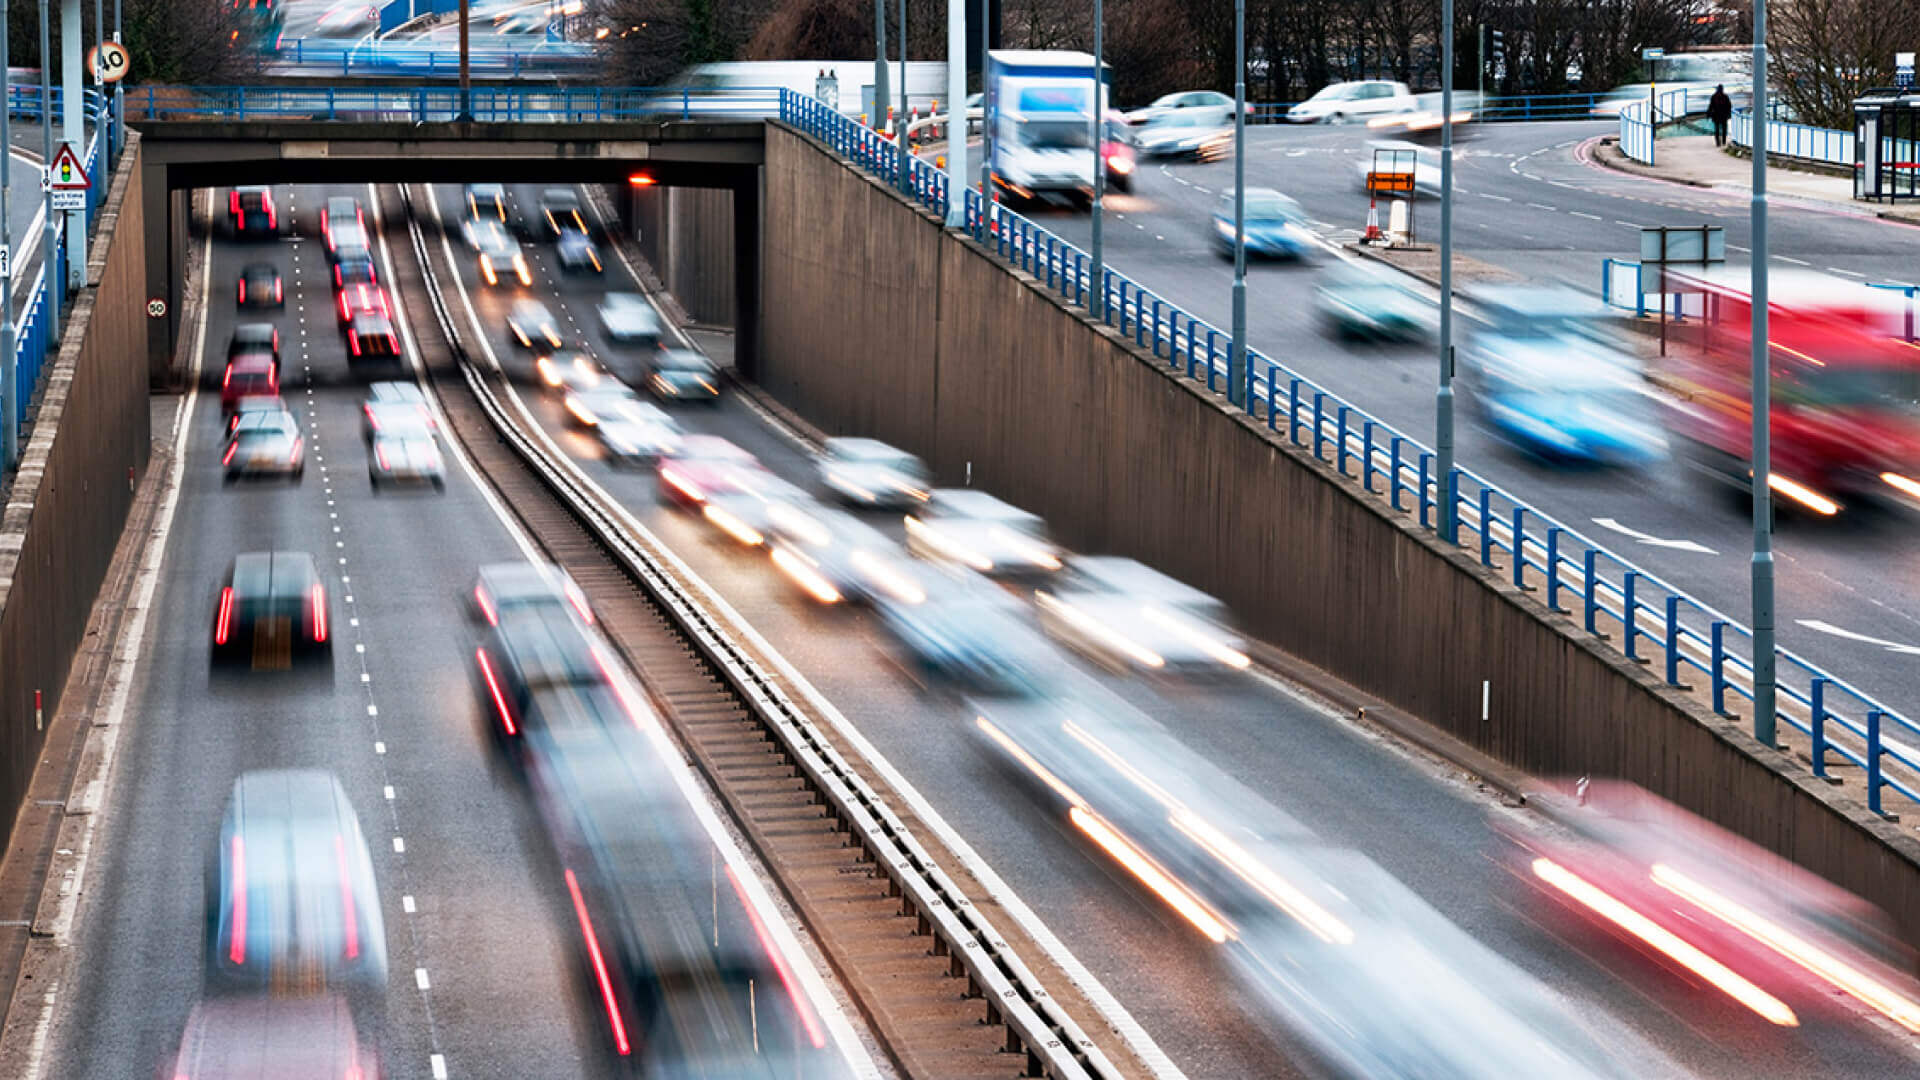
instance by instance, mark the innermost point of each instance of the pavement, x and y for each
(1694, 160)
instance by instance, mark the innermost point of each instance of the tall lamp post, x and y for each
(466, 75)
(1443, 397)
(900, 118)
(1096, 279)
(957, 107)
(1763, 655)
(9, 375)
(1239, 381)
(880, 95)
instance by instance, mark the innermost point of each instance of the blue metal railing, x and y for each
(1610, 595)
(440, 104)
(1509, 108)
(1787, 139)
(36, 337)
(23, 102)
(1640, 120)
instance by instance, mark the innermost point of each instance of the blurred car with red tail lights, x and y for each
(256, 404)
(251, 375)
(274, 1036)
(264, 444)
(395, 406)
(272, 606)
(260, 287)
(373, 344)
(406, 457)
(706, 465)
(292, 904)
(1117, 152)
(540, 666)
(502, 589)
(251, 213)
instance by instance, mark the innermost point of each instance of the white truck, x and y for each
(1039, 109)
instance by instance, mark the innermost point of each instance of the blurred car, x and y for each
(393, 419)
(638, 434)
(684, 375)
(339, 210)
(541, 667)
(706, 465)
(373, 342)
(1389, 155)
(292, 904)
(251, 375)
(1547, 379)
(960, 630)
(1427, 119)
(1130, 617)
(1117, 151)
(1276, 226)
(629, 319)
(348, 239)
(530, 322)
(251, 213)
(273, 604)
(288, 1038)
(586, 405)
(355, 271)
(255, 338)
(745, 510)
(257, 404)
(264, 444)
(1195, 134)
(260, 286)
(406, 458)
(360, 298)
(499, 253)
(561, 209)
(392, 404)
(500, 590)
(834, 556)
(868, 472)
(1341, 102)
(687, 979)
(487, 201)
(976, 530)
(1210, 103)
(1359, 301)
(576, 252)
(567, 372)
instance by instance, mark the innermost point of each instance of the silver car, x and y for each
(406, 459)
(629, 319)
(976, 530)
(868, 472)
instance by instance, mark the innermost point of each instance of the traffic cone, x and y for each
(1373, 235)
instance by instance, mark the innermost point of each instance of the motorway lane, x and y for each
(481, 915)
(1347, 784)
(1860, 573)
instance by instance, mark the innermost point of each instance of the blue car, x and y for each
(1276, 226)
(1548, 382)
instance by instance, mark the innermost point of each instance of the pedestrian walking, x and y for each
(1720, 111)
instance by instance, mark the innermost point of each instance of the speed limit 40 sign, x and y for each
(108, 61)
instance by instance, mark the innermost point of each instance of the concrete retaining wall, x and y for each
(686, 234)
(90, 445)
(878, 322)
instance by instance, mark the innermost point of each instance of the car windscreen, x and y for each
(1065, 134)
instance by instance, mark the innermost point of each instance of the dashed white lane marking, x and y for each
(1628, 224)
(387, 792)
(379, 748)
(399, 846)
(1589, 217)
(1543, 206)
(373, 710)
(438, 1063)
(406, 904)
(420, 979)
(1848, 273)
(1791, 259)
(1495, 198)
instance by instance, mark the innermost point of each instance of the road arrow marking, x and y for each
(1654, 541)
(1829, 628)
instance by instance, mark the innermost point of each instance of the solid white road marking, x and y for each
(1829, 628)
(1653, 541)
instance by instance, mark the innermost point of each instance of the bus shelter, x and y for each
(1886, 135)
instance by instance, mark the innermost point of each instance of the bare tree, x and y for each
(171, 41)
(1831, 51)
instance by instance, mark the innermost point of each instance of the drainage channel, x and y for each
(942, 988)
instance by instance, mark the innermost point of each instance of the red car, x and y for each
(362, 299)
(248, 375)
(707, 465)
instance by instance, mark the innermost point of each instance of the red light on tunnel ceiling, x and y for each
(641, 180)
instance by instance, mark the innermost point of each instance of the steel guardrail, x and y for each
(1827, 146)
(443, 104)
(1051, 1039)
(1615, 600)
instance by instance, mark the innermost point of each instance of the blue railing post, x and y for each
(1818, 715)
(1319, 427)
(1366, 455)
(1293, 410)
(1518, 537)
(1873, 762)
(1718, 664)
(1393, 472)
(1672, 644)
(1340, 440)
(1426, 501)
(1486, 525)
(1629, 616)
(1273, 395)
(1588, 591)
(1553, 570)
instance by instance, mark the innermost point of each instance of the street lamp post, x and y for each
(466, 76)
(1443, 397)
(900, 118)
(880, 95)
(50, 238)
(956, 107)
(1763, 651)
(1096, 279)
(1239, 381)
(9, 374)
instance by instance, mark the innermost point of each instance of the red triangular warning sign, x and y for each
(67, 172)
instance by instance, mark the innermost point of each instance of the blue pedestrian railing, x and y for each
(390, 59)
(1640, 120)
(24, 102)
(1696, 646)
(441, 104)
(1787, 139)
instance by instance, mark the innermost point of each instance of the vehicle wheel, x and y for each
(1337, 118)
(439, 485)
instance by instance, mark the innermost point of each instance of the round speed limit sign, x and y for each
(157, 308)
(108, 61)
